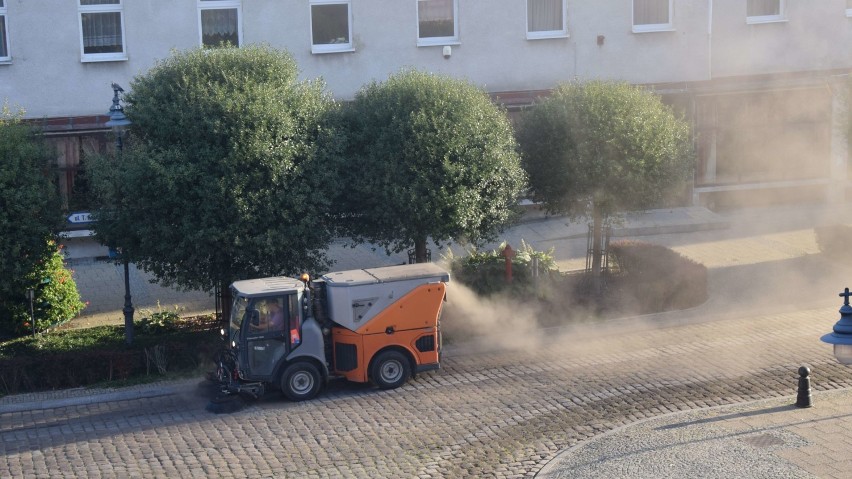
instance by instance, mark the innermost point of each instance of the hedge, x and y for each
(655, 278)
(833, 239)
(74, 358)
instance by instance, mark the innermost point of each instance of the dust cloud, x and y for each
(765, 264)
(505, 322)
(498, 319)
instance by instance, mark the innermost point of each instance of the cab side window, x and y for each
(295, 321)
(272, 317)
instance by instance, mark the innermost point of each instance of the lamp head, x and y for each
(117, 120)
(841, 335)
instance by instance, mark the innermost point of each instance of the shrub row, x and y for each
(654, 278)
(833, 239)
(75, 358)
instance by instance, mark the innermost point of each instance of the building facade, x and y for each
(764, 82)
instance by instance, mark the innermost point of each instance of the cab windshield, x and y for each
(270, 316)
(238, 312)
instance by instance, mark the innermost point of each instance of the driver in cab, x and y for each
(271, 317)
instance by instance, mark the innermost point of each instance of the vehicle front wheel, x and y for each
(301, 381)
(390, 370)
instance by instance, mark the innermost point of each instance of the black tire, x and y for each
(301, 381)
(390, 370)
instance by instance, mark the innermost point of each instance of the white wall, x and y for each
(816, 35)
(47, 78)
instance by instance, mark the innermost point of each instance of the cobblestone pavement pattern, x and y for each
(498, 413)
(502, 406)
(768, 438)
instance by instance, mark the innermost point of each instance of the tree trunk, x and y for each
(597, 233)
(420, 250)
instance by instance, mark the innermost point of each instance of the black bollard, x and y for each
(803, 398)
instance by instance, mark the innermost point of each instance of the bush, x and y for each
(160, 321)
(833, 239)
(56, 299)
(73, 358)
(655, 278)
(485, 272)
(30, 215)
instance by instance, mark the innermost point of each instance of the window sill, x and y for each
(5, 61)
(653, 28)
(546, 35)
(769, 19)
(323, 50)
(106, 58)
(438, 42)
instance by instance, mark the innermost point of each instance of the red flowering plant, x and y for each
(56, 297)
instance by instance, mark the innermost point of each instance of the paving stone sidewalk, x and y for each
(762, 439)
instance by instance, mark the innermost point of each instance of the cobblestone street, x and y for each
(487, 413)
(503, 405)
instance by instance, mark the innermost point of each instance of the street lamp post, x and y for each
(31, 297)
(118, 122)
(841, 336)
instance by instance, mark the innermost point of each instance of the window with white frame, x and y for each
(849, 8)
(331, 26)
(219, 23)
(652, 15)
(437, 22)
(101, 30)
(547, 19)
(764, 11)
(5, 56)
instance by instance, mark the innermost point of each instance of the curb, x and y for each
(671, 229)
(38, 405)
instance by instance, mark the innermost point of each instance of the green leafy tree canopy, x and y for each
(598, 148)
(427, 156)
(603, 146)
(219, 179)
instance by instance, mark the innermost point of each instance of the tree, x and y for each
(30, 217)
(598, 148)
(426, 156)
(219, 180)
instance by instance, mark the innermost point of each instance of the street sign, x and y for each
(79, 218)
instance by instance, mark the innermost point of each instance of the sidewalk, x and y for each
(766, 439)
(101, 282)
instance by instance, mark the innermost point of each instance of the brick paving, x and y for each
(488, 413)
(768, 438)
(494, 410)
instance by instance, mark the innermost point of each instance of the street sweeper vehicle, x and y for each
(379, 325)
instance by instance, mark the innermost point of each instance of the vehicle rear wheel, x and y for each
(301, 381)
(390, 370)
